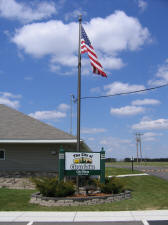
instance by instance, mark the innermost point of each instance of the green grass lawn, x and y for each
(110, 171)
(148, 192)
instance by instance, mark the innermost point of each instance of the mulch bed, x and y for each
(90, 195)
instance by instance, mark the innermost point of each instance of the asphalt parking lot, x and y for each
(161, 172)
(158, 222)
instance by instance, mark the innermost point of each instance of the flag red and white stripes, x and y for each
(86, 46)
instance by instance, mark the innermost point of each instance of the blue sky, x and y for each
(38, 69)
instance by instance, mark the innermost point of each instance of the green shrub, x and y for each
(112, 186)
(52, 187)
(64, 189)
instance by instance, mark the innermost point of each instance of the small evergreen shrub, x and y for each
(93, 182)
(64, 189)
(52, 187)
(112, 186)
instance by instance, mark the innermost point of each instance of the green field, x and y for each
(148, 192)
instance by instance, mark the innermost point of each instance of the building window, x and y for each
(2, 155)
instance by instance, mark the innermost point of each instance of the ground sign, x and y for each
(82, 164)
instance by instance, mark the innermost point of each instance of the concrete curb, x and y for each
(131, 175)
(84, 216)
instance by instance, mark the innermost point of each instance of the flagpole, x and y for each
(79, 86)
(79, 96)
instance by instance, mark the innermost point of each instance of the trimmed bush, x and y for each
(52, 187)
(64, 189)
(112, 186)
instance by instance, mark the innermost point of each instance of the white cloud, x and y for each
(95, 90)
(151, 124)
(55, 68)
(91, 139)
(63, 107)
(9, 99)
(48, 115)
(135, 108)
(110, 62)
(119, 87)
(114, 141)
(50, 38)
(150, 136)
(127, 110)
(117, 147)
(161, 76)
(75, 14)
(146, 101)
(142, 4)
(118, 31)
(51, 115)
(12, 9)
(9, 95)
(92, 130)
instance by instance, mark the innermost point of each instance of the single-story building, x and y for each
(29, 145)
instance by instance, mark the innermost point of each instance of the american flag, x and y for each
(86, 46)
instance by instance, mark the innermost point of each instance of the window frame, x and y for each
(3, 150)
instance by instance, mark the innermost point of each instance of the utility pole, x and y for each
(139, 146)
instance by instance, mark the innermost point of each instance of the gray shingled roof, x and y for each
(15, 125)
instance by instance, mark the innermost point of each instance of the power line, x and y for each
(124, 93)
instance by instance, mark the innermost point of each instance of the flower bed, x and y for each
(76, 201)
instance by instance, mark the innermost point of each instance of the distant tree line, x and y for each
(111, 160)
(147, 159)
(143, 159)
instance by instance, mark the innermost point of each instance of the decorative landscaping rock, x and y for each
(16, 183)
(76, 201)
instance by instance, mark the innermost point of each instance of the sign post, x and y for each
(61, 164)
(132, 163)
(102, 166)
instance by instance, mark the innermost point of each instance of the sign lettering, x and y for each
(82, 162)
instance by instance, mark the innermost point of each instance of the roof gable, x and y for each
(16, 125)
